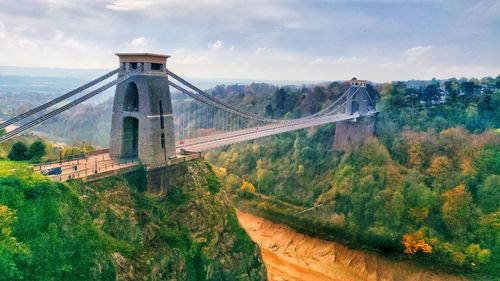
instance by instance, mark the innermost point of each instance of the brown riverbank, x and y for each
(289, 255)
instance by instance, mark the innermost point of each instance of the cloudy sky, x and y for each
(379, 40)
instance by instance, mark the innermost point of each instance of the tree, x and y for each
(415, 242)
(247, 190)
(10, 249)
(476, 256)
(468, 87)
(415, 154)
(411, 98)
(457, 210)
(280, 98)
(37, 150)
(18, 152)
(451, 86)
(440, 166)
(2, 132)
(430, 94)
(488, 194)
(270, 110)
(266, 180)
(393, 97)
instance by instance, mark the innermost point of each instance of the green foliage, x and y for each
(432, 170)
(18, 152)
(177, 196)
(37, 150)
(242, 243)
(53, 227)
(488, 194)
(213, 183)
(12, 253)
(91, 231)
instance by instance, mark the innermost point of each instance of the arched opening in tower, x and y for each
(130, 142)
(355, 103)
(131, 102)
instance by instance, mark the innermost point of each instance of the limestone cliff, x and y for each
(190, 234)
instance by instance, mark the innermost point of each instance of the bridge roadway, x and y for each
(212, 141)
(102, 163)
(85, 167)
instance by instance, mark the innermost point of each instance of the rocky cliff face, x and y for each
(112, 230)
(191, 234)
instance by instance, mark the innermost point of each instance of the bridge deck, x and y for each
(101, 163)
(208, 142)
(85, 167)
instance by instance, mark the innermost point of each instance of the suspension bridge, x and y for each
(151, 128)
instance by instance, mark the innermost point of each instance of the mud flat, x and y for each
(289, 255)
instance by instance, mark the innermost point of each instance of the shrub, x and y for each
(19, 152)
(37, 150)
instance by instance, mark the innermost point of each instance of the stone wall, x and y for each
(349, 134)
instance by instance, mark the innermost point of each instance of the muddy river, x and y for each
(289, 255)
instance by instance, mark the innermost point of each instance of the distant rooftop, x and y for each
(142, 57)
(354, 79)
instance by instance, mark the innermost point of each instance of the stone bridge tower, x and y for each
(349, 134)
(142, 122)
(358, 99)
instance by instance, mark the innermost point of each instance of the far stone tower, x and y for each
(142, 122)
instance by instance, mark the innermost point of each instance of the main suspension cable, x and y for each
(57, 100)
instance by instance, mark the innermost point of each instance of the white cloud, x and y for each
(261, 50)
(128, 5)
(27, 44)
(3, 31)
(347, 60)
(61, 3)
(317, 61)
(141, 42)
(275, 39)
(217, 45)
(416, 54)
(191, 60)
(65, 41)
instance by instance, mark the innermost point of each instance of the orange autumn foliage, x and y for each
(415, 242)
(440, 165)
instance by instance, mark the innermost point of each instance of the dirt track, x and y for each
(289, 255)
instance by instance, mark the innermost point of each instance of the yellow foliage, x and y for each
(415, 154)
(467, 166)
(440, 165)
(476, 254)
(415, 242)
(6, 219)
(247, 187)
(263, 205)
(300, 170)
(220, 172)
(458, 258)
(419, 214)
(492, 220)
(456, 208)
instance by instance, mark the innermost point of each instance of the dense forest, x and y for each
(426, 185)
